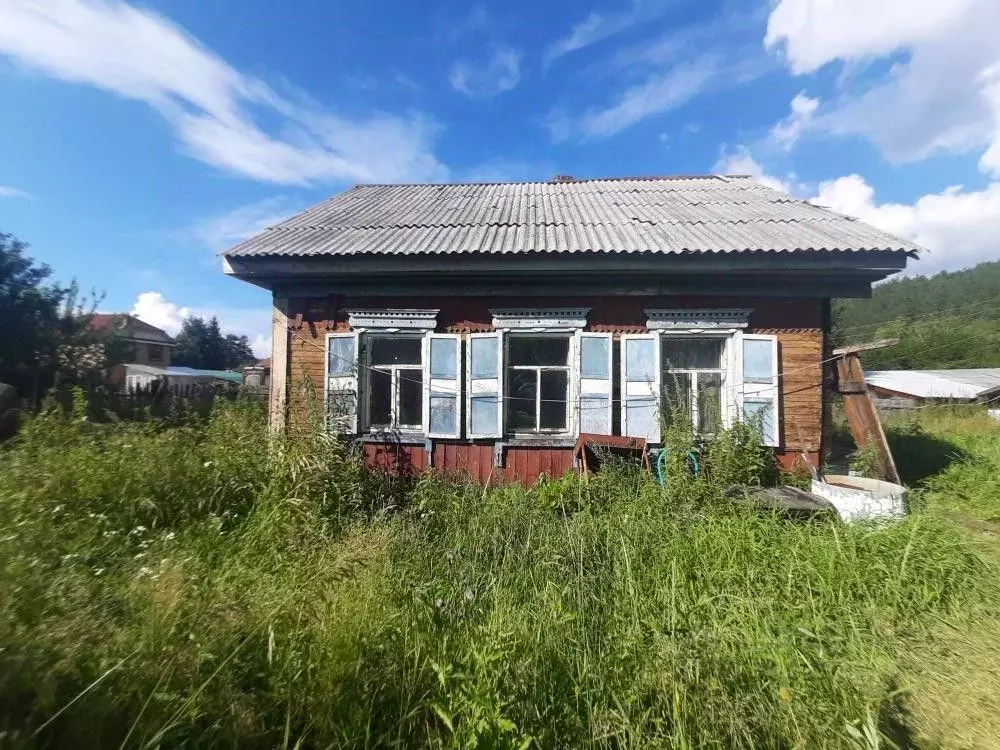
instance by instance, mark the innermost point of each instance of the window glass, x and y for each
(521, 399)
(594, 414)
(444, 413)
(483, 358)
(676, 396)
(483, 416)
(640, 364)
(594, 358)
(341, 356)
(709, 402)
(444, 358)
(155, 353)
(380, 398)
(411, 397)
(691, 354)
(757, 361)
(395, 350)
(553, 399)
(538, 350)
(760, 414)
(641, 417)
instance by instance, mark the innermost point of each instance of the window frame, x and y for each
(351, 382)
(572, 375)
(725, 369)
(160, 350)
(396, 376)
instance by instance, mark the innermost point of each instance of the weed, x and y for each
(212, 584)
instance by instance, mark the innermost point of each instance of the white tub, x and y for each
(859, 497)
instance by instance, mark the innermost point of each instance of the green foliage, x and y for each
(43, 326)
(945, 321)
(214, 585)
(201, 344)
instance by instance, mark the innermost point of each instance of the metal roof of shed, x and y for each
(967, 384)
(710, 214)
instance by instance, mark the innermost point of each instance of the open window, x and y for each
(484, 386)
(442, 408)
(537, 383)
(760, 392)
(640, 386)
(595, 383)
(342, 382)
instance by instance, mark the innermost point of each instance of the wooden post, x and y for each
(277, 411)
(860, 408)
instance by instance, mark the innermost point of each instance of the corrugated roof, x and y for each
(660, 215)
(968, 384)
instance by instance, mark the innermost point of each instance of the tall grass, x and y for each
(216, 586)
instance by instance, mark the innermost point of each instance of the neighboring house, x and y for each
(147, 365)
(484, 327)
(147, 346)
(907, 389)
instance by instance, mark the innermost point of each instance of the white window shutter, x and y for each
(595, 383)
(759, 384)
(484, 386)
(342, 382)
(442, 385)
(640, 386)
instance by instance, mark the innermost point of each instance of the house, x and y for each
(147, 349)
(907, 389)
(484, 327)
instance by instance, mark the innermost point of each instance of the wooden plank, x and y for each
(277, 414)
(863, 417)
(880, 344)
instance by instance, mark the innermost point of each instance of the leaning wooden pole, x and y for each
(862, 416)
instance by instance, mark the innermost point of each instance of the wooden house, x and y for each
(483, 327)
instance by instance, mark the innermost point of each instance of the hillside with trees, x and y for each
(944, 321)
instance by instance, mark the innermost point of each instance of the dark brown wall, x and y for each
(798, 324)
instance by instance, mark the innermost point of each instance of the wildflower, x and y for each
(144, 571)
(169, 535)
(98, 571)
(207, 464)
(470, 595)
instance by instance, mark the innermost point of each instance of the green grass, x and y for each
(199, 586)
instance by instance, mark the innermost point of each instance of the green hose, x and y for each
(661, 465)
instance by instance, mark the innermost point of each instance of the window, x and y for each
(692, 377)
(394, 380)
(537, 383)
(155, 352)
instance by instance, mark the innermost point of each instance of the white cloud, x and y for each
(223, 231)
(502, 72)
(598, 26)
(656, 95)
(958, 227)
(787, 132)
(943, 94)
(12, 192)
(157, 310)
(740, 161)
(153, 308)
(140, 55)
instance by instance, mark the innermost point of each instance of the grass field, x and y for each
(187, 586)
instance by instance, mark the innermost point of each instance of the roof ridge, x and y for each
(574, 181)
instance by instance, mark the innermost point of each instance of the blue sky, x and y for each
(140, 140)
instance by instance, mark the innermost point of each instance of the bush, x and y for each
(215, 585)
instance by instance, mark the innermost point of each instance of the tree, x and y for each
(39, 321)
(200, 344)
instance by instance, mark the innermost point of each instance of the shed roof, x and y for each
(968, 384)
(709, 214)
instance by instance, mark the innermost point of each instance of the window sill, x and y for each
(392, 436)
